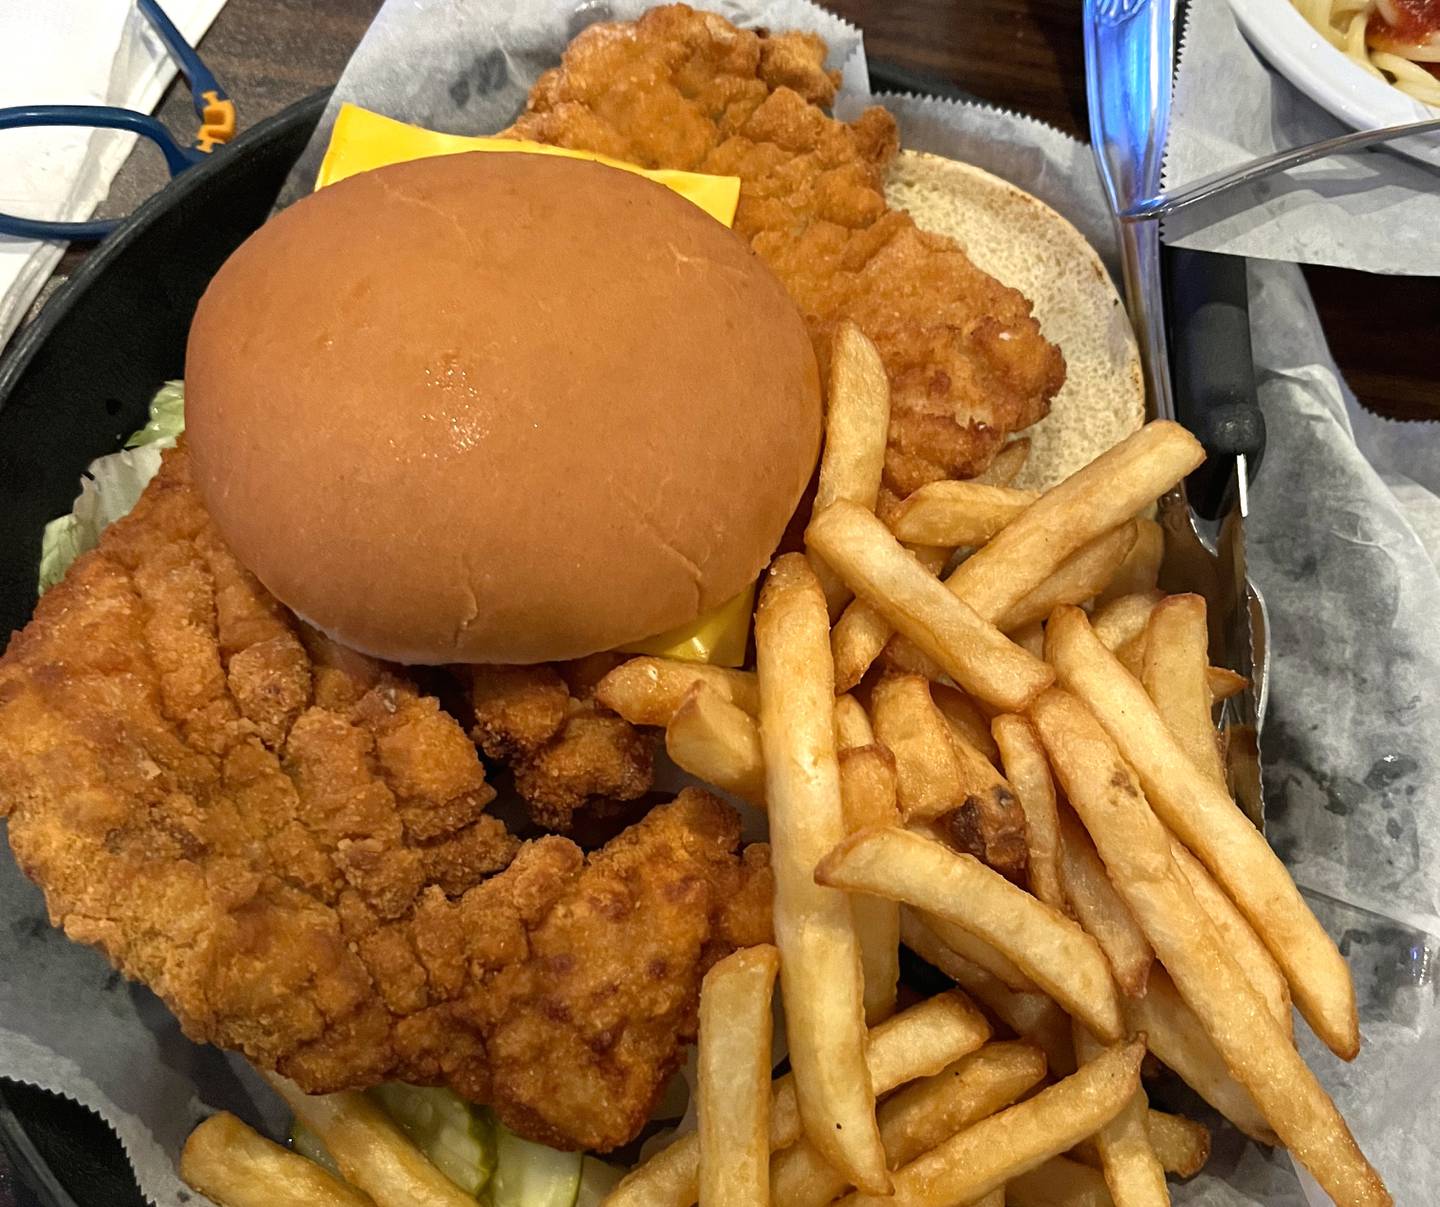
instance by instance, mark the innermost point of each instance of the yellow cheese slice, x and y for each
(362, 141)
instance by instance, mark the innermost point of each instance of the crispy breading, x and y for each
(684, 89)
(567, 753)
(288, 843)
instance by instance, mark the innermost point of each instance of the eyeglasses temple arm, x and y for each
(213, 105)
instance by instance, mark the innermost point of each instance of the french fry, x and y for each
(1132, 1170)
(1238, 936)
(917, 1118)
(820, 952)
(372, 1152)
(1028, 772)
(1046, 945)
(1136, 850)
(861, 632)
(1033, 1016)
(980, 953)
(989, 823)
(1101, 909)
(733, 1069)
(717, 742)
(1123, 619)
(1140, 570)
(1081, 576)
(1175, 670)
(1181, 1145)
(966, 718)
(988, 1154)
(852, 723)
(648, 690)
(1203, 816)
(1008, 463)
(1224, 684)
(907, 723)
(867, 788)
(975, 654)
(1059, 1182)
(1175, 1035)
(1103, 495)
(918, 1042)
(1030, 637)
(237, 1167)
(857, 425)
(957, 514)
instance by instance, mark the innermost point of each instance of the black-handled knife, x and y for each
(1213, 371)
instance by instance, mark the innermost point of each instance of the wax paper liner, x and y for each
(1374, 210)
(1351, 777)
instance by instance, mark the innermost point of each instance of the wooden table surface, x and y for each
(1019, 54)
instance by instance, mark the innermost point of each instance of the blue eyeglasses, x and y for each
(212, 106)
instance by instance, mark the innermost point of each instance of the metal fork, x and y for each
(1219, 183)
(1129, 61)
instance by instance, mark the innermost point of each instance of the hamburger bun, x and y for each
(499, 408)
(1022, 242)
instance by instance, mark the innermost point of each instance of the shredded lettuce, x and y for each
(112, 485)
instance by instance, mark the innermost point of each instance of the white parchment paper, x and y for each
(1375, 210)
(1338, 547)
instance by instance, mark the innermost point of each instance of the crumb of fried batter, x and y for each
(289, 844)
(685, 89)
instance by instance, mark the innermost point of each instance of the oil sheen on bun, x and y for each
(499, 408)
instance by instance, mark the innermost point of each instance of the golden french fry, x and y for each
(1132, 1170)
(1030, 637)
(648, 690)
(1103, 495)
(820, 952)
(1140, 570)
(980, 953)
(972, 652)
(1081, 576)
(852, 723)
(1123, 619)
(237, 1167)
(987, 1154)
(867, 788)
(989, 823)
(1008, 463)
(1224, 684)
(1058, 1182)
(372, 1152)
(1136, 850)
(857, 425)
(1033, 1016)
(861, 632)
(917, 1118)
(966, 718)
(1181, 1145)
(918, 1042)
(1175, 672)
(717, 742)
(1238, 935)
(907, 723)
(1203, 816)
(957, 514)
(1028, 771)
(1101, 909)
(733, 1073)
(1175, 1035)
(1046, 945)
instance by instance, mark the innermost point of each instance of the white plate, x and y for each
(1329, 78)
